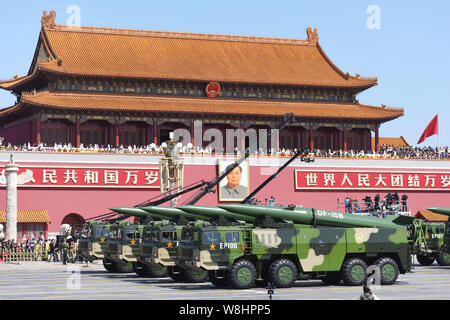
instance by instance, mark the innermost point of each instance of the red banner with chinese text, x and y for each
(371, 180)
(86, 177)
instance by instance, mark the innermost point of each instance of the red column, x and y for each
(45, 231)
(311, 138)
(344, 139)
(148, 134)
(38, 129)
(377, 140)
(192, 132)
(111, 134)
(155, 135)
(116, 133)
(242, 142)
(77, 133)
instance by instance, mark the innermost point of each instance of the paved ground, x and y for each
(44, 281)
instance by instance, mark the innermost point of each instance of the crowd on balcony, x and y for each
(386, 151)
(391, 202)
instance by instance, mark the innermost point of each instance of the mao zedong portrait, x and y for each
(233, 189)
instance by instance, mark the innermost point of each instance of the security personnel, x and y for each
(73, 252)
(367, 294)
(64, 251)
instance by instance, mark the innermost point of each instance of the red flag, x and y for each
(431, 129)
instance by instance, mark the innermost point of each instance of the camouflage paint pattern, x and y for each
(93, 246)
(123, 245)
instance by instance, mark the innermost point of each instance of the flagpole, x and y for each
(439, 139)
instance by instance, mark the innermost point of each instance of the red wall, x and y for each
(17, 135)
(60, 202)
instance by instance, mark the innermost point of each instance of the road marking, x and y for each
(110, 295)
(17, 289)
(47, 282)
(52, 297)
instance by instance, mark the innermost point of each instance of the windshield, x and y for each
(151, 234)
(169, 236)
(93, 232)
(100, 232)
(132, 233)
(189, 234)
(211, 237)
(86, 233)
(115, 233)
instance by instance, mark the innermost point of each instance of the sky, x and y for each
(403, 43)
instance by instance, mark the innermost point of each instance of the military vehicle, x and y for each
(434, 242)
(92, 245)
(123, 247)
(159, 241)
(289, 242)
(446, 242)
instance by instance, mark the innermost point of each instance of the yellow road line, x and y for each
(110, 295)
(52, 297)
(45, 282)
(21, 289)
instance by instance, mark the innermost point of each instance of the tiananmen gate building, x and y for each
(89, 85)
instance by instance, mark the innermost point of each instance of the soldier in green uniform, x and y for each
(64, 251)
(367, 294)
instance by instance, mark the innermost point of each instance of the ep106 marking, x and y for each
(228, 245)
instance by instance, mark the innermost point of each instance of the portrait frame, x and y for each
(245, 179)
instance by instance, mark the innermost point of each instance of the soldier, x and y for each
(367, 294)
(64, 251)
(73, 252)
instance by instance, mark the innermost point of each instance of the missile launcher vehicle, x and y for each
(284, 243)
(92, 245)
(434, 240)
(123, 246)
(446, 242)
(92, 240)
(159, 241)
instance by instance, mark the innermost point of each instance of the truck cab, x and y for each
(435, 235)
(159, 245)
(159, 249)
(92, 240)
(123, 242)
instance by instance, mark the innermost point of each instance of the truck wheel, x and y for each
(242, 275)
(332, 278)
(191, 276)
(109, 266)
(443, 259)
(139, 268)
(388, 269)
(425, 260)
(218, 282)
(354, 272)
(282, 273)
(126, 267)
(157, 272)
(176, 274)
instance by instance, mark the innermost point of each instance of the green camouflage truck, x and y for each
(435, 233)
(123, 247)
(289, 242)
(160, 240)
(92, 241)
(446, 242)
(92, 245)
